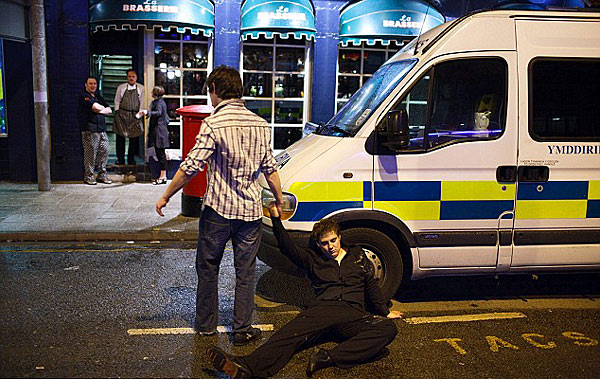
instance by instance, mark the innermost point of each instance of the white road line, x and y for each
(220, 329)
(465, 318)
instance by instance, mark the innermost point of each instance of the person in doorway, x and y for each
(129, 100)
(235, 144)
(343, 281)
(158, 133)
(92, 108)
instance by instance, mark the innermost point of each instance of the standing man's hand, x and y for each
(395, 314)
(160, 204)
(275, 209)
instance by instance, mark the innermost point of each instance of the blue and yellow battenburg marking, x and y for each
(566, 199)
(452, 200)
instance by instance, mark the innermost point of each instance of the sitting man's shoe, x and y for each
(104, 179)
(89, 181)
(120, 162)
(318, 361)
(245, 337)
(227, 364)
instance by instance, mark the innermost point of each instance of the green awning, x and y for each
(195, 16)
(384, 21)
(287, 19)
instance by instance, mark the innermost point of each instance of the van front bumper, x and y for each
(270, 254)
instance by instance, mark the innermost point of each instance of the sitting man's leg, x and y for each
(299, 334)
(366, 340)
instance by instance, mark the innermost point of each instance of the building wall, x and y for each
(68, 66)
(17, 151)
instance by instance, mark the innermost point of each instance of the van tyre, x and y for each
(382, 252)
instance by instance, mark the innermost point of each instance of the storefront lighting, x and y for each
(163, 70)
(188, 64)
(178, 73)
(170, 75)
(162, 65)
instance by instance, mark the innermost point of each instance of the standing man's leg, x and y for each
(214, 231)
(245, 240)
(133, 149)
(89, 156)
(102, 157)
(120, 149)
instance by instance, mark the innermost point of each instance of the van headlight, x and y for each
(287, 208)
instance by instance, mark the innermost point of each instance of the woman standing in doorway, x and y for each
(158, 133)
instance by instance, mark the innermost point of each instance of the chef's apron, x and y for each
(126, 124)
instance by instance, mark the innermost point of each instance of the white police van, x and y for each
(474, 150)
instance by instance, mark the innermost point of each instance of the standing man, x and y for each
(235, 144)
(129, 100)
(92, 108)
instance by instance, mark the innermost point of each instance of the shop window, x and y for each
(181, 64)
(564, 100)
(356, 64)
(275, 77)
(467, 103)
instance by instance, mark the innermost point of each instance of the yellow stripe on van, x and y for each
(411, 210)
(594, 190)
(540, 209)
(327, 191)
(482, 190)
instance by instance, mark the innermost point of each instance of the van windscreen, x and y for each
(348, 121)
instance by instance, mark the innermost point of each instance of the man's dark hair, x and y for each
(226, 81)
(91, 77)
(323, 227)
(131, 70)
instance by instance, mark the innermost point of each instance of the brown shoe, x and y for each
(227, 363)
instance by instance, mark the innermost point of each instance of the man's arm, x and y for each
(374, 294)
(299, 256)
(179, 180)
(118, 97)
(275, 186)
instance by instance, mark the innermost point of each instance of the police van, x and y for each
(474, 150)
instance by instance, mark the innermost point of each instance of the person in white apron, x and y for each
(129, 100)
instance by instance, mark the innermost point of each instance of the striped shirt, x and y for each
(236, 145)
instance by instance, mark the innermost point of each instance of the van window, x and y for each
(465, 101)
(565, 100)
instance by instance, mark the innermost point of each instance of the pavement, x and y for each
(122, 211)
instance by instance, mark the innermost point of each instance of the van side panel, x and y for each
(559, 144)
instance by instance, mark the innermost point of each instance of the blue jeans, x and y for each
(215, 231)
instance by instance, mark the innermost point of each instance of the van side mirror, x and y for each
(392, 133)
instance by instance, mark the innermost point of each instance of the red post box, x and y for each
(193, 192)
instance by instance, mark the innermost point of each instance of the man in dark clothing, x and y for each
(92, 108)
(342, 278)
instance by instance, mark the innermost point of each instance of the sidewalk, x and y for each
(79, 212)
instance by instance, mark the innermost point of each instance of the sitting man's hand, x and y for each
(395, 314)
(273, 209)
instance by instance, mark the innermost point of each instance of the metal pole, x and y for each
(40, 94)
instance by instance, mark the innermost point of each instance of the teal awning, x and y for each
(195, 16)
(384, 21)
(287, 19)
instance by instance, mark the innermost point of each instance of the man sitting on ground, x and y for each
(342, 278)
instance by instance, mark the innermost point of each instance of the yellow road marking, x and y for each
(220, 329)
(464, 318)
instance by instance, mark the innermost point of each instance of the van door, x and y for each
(557, 222)
(453, 186)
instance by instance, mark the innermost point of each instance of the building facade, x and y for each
(300, 61)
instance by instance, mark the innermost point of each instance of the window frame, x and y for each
(274, 43)
(431, 71)
(530, 113)
(151, 69)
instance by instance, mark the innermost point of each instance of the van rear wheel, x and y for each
(383, 254)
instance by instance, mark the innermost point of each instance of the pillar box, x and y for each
(193, 192)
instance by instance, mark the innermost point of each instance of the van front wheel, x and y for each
(383, 254)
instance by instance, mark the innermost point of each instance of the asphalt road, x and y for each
(125, 310)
